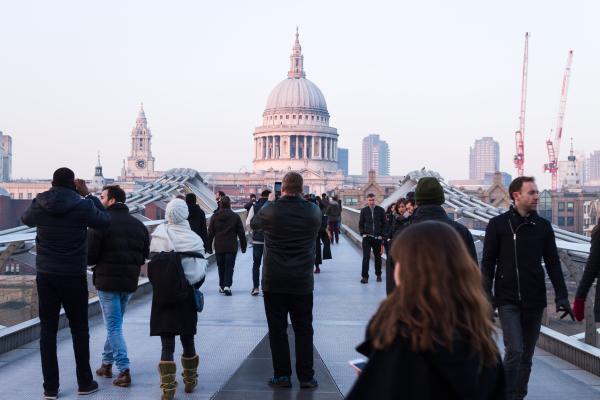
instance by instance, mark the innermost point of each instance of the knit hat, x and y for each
(177, 211)
(429, 191)
(64, 177)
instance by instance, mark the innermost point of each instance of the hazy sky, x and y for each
(430, 77)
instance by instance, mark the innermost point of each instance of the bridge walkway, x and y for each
(230, 332)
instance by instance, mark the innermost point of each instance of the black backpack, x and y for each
(166, 275)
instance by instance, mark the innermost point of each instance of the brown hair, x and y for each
(440, 293)
(225, 202)
(517, 184)
(292, 183)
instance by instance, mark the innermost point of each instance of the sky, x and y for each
(430, 77)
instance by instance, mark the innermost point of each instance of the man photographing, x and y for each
(515, 244)
(290, 226)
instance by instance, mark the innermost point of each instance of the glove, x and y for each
(578, 308)
(562, 305)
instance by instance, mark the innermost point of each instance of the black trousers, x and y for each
(370, 243)
(168, 346)
(71, 293)
(225, 263)
(520, 331)
(299, 307)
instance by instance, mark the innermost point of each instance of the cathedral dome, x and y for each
(296, 93)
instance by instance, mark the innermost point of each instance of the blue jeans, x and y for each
(520, 330)
(113, 306)
(257, 255)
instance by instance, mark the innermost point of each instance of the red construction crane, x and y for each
(554, 147)
(519, 158)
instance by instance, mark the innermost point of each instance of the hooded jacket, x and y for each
(225, 228)
(118, 251)
(290, 225)
(432, 212)
(400, 373)
(513, 250)
(175, 235)
(62, 218)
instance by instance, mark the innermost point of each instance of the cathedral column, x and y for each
(335, 150)
(264, 147)
(327, 144)
(312, 147)
(305, 150)
(297, 148)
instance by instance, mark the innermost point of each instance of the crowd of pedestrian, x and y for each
(429, 339)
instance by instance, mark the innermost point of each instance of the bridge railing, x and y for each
(21, 324)
(575, 342)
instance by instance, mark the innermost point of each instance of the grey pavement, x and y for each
(231, 334)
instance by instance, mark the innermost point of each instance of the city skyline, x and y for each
(69, 87)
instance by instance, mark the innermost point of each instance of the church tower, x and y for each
(98, 181)
(140, 163)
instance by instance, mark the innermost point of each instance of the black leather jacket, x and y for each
(290, 225)
(513, 250)
(372, 221)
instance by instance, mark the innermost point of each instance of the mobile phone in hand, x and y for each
(358, 364)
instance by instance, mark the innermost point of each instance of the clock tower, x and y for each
(140, 163)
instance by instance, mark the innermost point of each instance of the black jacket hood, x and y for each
(58, 200)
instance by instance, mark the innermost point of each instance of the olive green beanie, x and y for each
(429, 191)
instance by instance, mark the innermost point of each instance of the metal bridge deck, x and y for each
(231, 329)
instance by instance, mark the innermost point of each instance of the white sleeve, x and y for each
(250, 216)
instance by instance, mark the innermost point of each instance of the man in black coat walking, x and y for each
(116, 254)
(515, 244)
(196, 217)
(429, 197)
(225, 228)
(290, 226)
(372, 225)
(62, 217)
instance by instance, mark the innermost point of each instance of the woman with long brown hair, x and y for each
(433, 337)
(590, 274)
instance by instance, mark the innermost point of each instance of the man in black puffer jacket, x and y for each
(62, 218)
(290, 225)
(515, 244)
(429, 197)
(117, 254)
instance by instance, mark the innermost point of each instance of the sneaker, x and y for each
(317, 270)
(92, 387)
(364, 280)
(227, 291)
(105, 371)
(124, 379)
(309, 384)
(50, 394)
(378, 278)
(221, 290)
(255, 292)
(280, 382)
